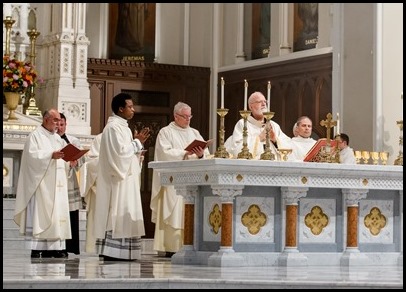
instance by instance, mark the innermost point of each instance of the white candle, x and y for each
(338, 125)
(222, 93)
(245, 94)
(269, 96)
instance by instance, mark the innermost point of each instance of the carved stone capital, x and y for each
(353, 196)
(227, 193)
(291, 195)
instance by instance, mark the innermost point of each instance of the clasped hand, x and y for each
(143, 135)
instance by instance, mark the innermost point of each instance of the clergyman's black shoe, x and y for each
(169, 254)
(60, 254)
(36, 253)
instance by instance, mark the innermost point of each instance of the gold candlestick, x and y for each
(31, 108)
(399, 159)
(245, 153)
(8, 23)
(268, 155)
(221, 150)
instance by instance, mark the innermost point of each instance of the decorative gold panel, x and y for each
(375, 221)
(171, 179)
(364, 181)
(215, 219)
(254, 219)
(206, 177)
(316, 220)
(239, 177)
(304, 180)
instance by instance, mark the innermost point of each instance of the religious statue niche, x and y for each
(261, 30)
(306, 26)
(132, 31)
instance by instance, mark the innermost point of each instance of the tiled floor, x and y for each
(153, 272)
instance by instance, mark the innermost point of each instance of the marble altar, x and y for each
(274, 213)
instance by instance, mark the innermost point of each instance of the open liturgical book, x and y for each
(322, 151)
(72, 153)
(196, 143)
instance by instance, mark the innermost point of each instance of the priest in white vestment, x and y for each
(75, 200)
(256, 138)
(346, 152)
(88, 176)
(302, 143)
(42, 206)
(167, 207)
(118, 210)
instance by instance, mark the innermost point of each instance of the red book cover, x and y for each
(71, 152)
(197, 143)
(319, 149)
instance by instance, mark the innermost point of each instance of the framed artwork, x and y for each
(132, 31)
(306, 26)
(261, 30)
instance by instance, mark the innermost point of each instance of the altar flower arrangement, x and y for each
(17, 75)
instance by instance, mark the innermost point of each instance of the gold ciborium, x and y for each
(384, 157)
(284, 153)
(375, 157)
(358, 156)
(365, 156)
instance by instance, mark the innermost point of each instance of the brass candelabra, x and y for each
(31, 107)
(399, 159)
(268, 155)
(8, 23)
(245, 153)
(221, 150)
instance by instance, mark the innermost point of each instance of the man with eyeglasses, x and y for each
(256, 129)
(166, 205)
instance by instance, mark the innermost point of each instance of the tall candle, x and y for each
(269, 96)
(245, 94)
(338, 125)
(222, 93)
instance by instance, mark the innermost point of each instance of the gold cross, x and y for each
(328, 123)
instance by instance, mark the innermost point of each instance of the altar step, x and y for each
(13, 240)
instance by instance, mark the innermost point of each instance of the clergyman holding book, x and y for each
(166, 205)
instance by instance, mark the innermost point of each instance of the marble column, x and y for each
(284, 47)
(226, 257)
(187, 254)
(290, 255)
(352, 255)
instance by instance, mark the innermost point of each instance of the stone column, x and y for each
(187, 254)
(352, 255)
(226, 255)
(240, 56)
(290, 255)
(284, 47)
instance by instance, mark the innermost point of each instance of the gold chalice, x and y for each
(284, 153)
(384, 157)
(358, 156)
(365, 156)
(375, 157)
